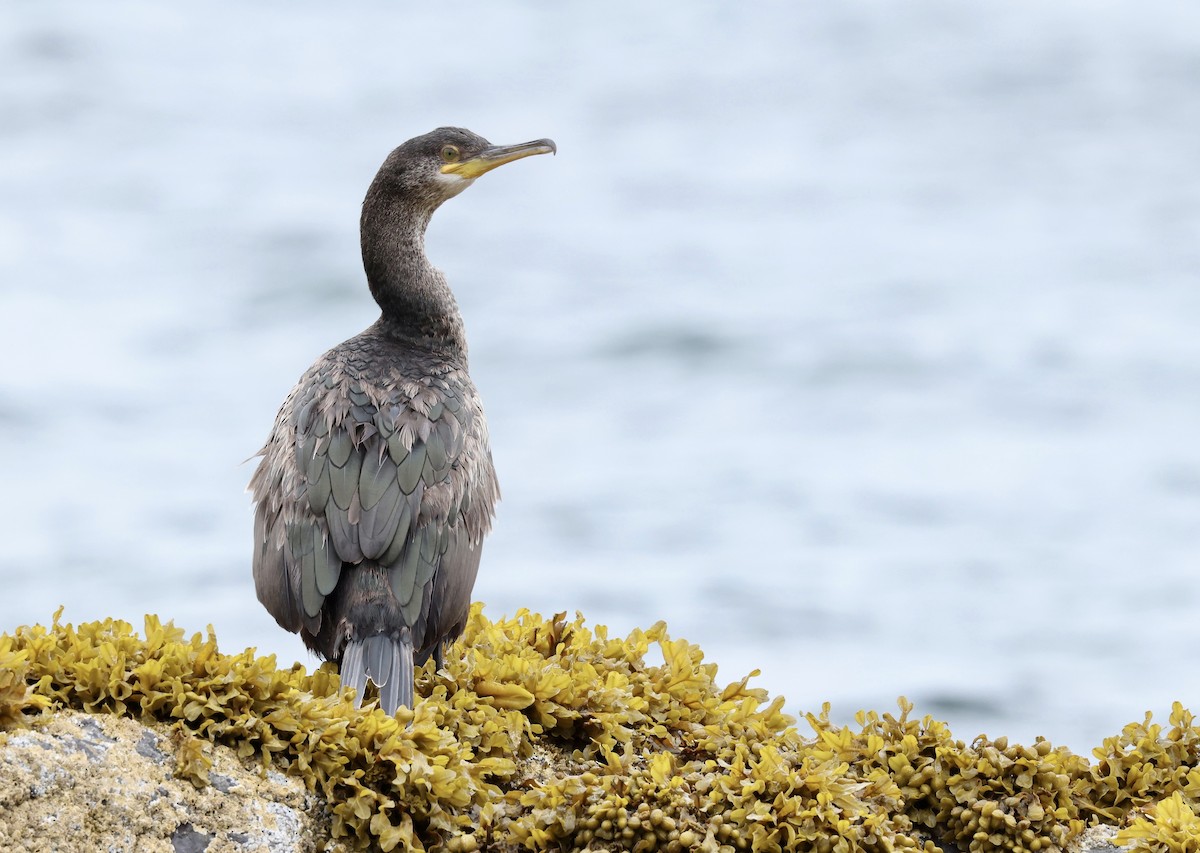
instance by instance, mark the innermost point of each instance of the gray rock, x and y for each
(99, 782)
(1097, 839)
(185, 839)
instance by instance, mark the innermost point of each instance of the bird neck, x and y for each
(417, 304)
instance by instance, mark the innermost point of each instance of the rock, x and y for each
(110, 783)
(1097, 839)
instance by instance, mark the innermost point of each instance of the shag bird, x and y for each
(376, 486)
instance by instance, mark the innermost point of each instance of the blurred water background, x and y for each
(860, 341)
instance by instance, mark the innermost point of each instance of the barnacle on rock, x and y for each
(544, 734)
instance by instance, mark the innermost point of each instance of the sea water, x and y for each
(856, 341)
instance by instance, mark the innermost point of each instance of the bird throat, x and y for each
(417, 304)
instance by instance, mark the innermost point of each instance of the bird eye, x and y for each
(450, 153)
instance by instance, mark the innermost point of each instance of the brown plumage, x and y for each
(376, 486)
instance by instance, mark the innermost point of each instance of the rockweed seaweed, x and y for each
(543, 734)
(1170, 826)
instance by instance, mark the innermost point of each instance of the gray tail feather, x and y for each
(387, 661)
(352, 672)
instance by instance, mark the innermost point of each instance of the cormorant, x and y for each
(376, 486)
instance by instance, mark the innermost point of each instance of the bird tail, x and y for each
(385, 660)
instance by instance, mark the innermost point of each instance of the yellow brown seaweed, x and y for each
(1169, 826)
(543, 734)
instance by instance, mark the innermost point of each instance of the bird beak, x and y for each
(498, 155)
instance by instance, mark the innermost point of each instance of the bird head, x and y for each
(439, 165)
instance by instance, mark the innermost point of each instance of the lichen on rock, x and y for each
(545, 734)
